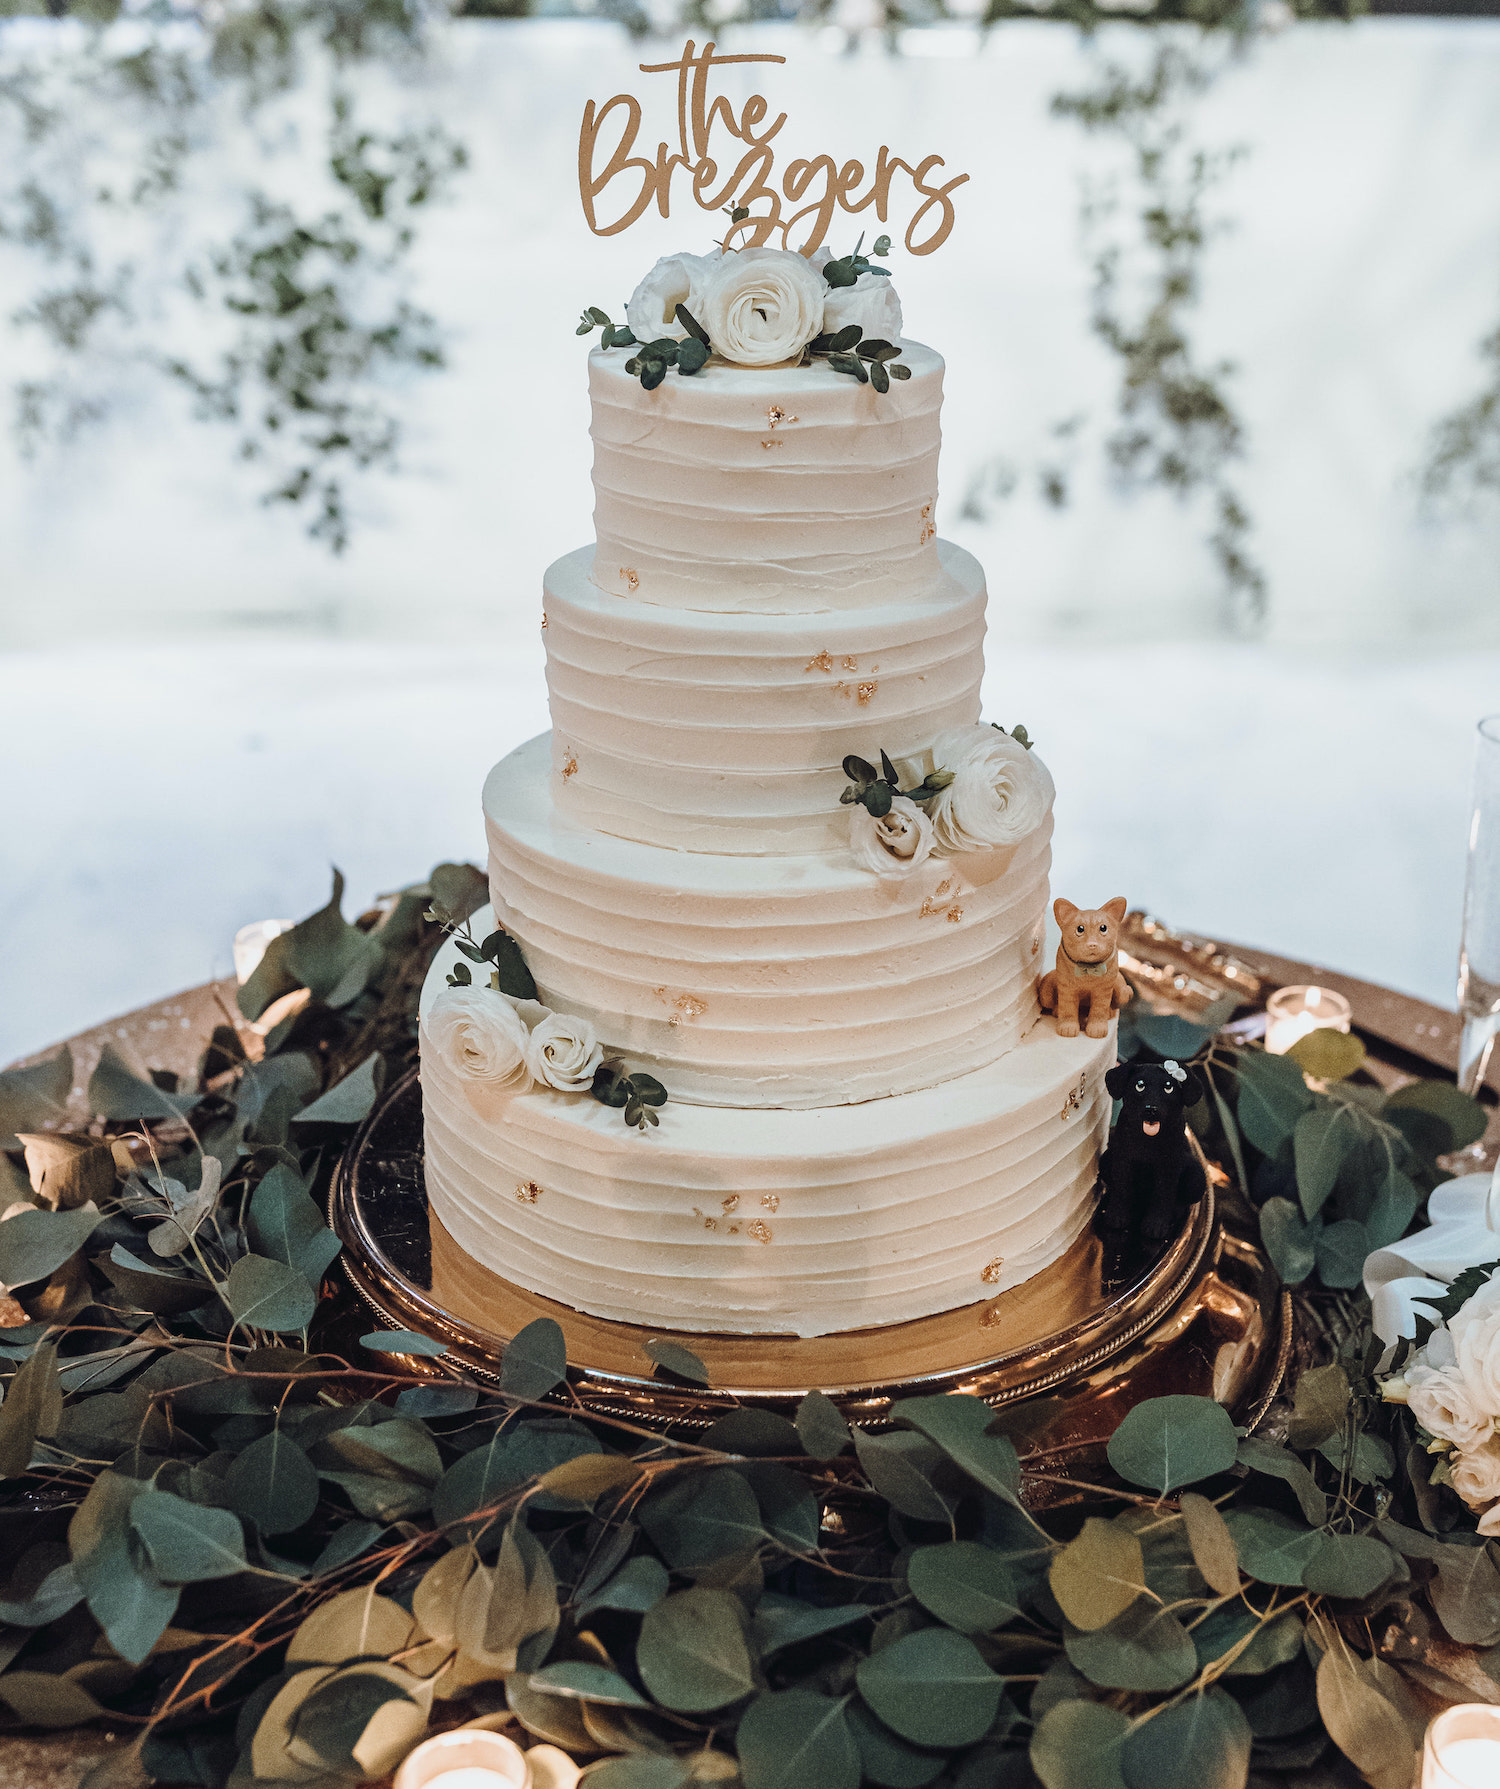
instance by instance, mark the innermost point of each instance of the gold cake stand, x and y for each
(1206, 1317)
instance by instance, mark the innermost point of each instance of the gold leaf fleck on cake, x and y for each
(989, 1317)
(760, 1230)
(631, 577)
(990, 1272)
(732, 1203)
(823, 662)
(849, 664)
(685, 1006)
(955, 914)
(570, 767)
(775, 416)
(928, 529)
(865, 691)
(710, 1223)
(528, 1192)
(1074, 1101)
(1036, 943)
(734, 1229)
(944, 887)
(773, 443)
(544, 621)
(771, 1201)
(930, 905)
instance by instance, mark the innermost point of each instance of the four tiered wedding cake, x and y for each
(767, 858)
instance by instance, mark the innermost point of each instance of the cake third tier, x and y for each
(767, 981)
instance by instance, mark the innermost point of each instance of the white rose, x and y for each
(896, 844)
(563, 1052)
(1444, 1403)
(1000, 792)
(481, 1037)
(1476, 1345)
(871, 302)
(674, 280)
(1476, 1474)
(761, 306)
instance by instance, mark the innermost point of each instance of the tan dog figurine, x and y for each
(1087, 980)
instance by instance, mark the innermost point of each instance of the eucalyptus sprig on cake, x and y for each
(500, 1038)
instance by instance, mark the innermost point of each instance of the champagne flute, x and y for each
(1479, 948)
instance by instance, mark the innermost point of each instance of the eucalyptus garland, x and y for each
(275, 1550)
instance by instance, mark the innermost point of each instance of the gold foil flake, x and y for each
(631, 577)
(544, 621)
(773, 443)
(760, 1230)
(865, 691)
(570, 767)
(734, 1229)
(990, 1272)
(1036, 943)
(528, 1192)
(685, 1006)
(849, 664)
(710, 1223)
(990, 1317)
(944, 887)
(775, 416)
(955, 914)
(1074, 1100)
(928, 528)
(823, 662)
(771, 1201)
(732, 1203)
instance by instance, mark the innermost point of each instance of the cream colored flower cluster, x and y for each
(1452, 1387)
(999, 794)
(507, 1045)
(759, 306)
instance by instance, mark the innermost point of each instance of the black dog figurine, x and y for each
(1151, 1177)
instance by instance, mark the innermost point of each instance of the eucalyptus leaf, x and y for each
(1341, 1250)
(1289, 1241)
(960, 1425)
(900, 1467)
(348, 1101)
(1365, 1727)
(1099, 1574)
(639, 1770)
(1279, 1462)
(34, 1244)
(346, 1544)
(116, 1093)
(1328, 1055)
(639, 1585)
(965, 1585)
(1348, 1565)
(40, 1699)
(273, 1482)
(1146, 1648)
(932, 1688)
(1166, 1442)
(674, 1358)
(781, 1621)
(33, 1098)
(284, 1224)
(1271, 1096)
(535, 1360)
(267, 1294)
(587, 1477)
(58, 1592)
(1320, 1401)
(592, 1683)
(1211, 1542)
(754, 1432)
(1079, 1745)
(124, 1594)
(692, 1654)
(1324, 1140)
(32, 1408)
(428, 1402)
(402, 1341)
(887, 1761)
(822, 1430)
(1273, 1549)
(1202, 1742)
(1463, 1115)
(1370, 1460)
(490, 1474)
(788, 1739)
(702, 1516)
(186, 1542)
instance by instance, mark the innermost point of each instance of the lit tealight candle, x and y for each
(1462, 1749)
(466, 1758)
(250, 944)
(1292, 1012)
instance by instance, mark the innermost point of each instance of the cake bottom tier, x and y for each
(766, 1221)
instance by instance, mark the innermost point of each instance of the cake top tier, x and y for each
(790, 489)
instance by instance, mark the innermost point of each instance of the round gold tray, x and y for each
(1206, 1317)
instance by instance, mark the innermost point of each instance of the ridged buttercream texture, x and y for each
(777, 490)
(714, 732)
(772, 1221)
(766, 981)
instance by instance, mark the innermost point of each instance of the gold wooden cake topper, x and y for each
(707, 124)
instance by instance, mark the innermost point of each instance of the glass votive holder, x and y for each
(1293, 1012)
(1462, 1748)
(466, 1758)
(250, 944)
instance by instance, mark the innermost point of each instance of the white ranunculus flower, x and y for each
(1476, 1474)
(481, 1037)
(562, 1052)
(1444, 1403)
(894, 845)
(761, 306)
(1476, 1346)
(871, 302)
(1000, 792)
(674, 280)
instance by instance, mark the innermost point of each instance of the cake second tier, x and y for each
(767, 981)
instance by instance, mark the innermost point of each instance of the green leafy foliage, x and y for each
(932, 1688)
(1167, 1442)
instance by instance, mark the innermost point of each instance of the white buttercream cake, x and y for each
(868, 1119)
